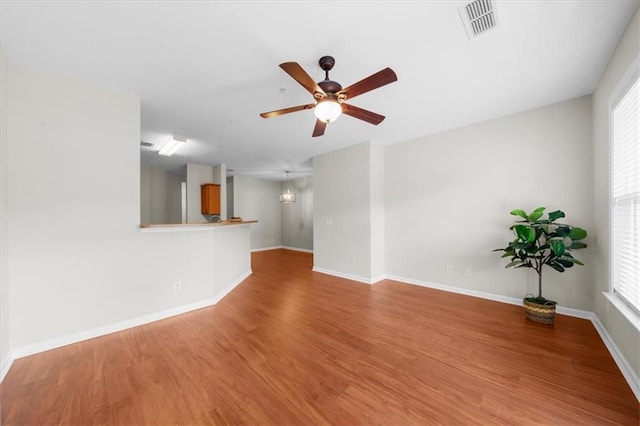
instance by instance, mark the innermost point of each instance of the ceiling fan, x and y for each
(330, 97)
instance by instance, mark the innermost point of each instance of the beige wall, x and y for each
(197, 174)
(297, 218)
(79, 262)
(624, 334)
(4, 223)
(347, 212)
(448, 198)
(256, 199)
(160, 195)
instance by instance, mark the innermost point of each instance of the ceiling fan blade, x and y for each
(286, 110)
(362, 114)
(318, 130)
(374, 81)
(301, 76)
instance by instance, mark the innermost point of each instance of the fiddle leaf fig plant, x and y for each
(543, 241)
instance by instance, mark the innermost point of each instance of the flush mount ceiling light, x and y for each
(327, 110)
(172, 146)
(287, 196)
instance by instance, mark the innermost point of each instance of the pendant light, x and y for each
(287, 196)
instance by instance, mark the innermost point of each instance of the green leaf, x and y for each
(562, 231)
(558, 247)
(520, 213)
(553, 216)
(577, 233)
(556, 266)
(524, 248)
(575, 246)
(565, 263)
(514, 263)
(569, 258)
(525, 233)
(536, 214)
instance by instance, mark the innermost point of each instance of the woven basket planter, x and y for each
(545, 314)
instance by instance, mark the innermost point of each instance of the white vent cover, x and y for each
(478, 16)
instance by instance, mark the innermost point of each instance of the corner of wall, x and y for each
(5, 349)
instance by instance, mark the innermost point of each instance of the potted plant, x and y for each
(541, 242)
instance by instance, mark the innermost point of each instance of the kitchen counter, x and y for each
(192, 226)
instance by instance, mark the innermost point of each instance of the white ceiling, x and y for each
(205, 70)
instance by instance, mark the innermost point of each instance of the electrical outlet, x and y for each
(468, 271)
(352, 261)
(449, 269)
(328, 222)
(177, 286)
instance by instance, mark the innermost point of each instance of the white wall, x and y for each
(174, 197)
(625, 335)
(377, 249)
(230, 197)
(256, 199)
(197, 174)
(77, 258)
(160, 195)
(448, 199)
(220, 177)
(342, 212)
(297, 218)
(4, 223)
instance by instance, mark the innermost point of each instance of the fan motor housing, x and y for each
(330, 86)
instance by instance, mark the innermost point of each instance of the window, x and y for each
(625, 189)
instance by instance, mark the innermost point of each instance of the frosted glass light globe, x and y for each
(328, 110)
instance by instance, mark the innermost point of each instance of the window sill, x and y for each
(626, 311)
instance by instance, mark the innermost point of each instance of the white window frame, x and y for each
(630, 77)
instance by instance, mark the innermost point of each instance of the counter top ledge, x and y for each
(191, 226)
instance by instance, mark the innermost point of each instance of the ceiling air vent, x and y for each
(478, 17)
(146, 144)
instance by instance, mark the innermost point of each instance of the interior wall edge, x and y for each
(6, 365)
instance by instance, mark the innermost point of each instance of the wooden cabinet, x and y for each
(210, 198)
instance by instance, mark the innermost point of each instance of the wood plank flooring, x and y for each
(292, 347)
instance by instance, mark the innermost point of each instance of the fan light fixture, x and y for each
(329, 98)
(287, 196)
(172, 146)
(328, 110)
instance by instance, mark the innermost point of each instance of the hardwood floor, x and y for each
(292, 347)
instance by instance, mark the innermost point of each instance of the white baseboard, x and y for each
(489, 296)
(266, 248)
(347, 276)
(570, 312)
(297, 249)
(282, 247)
(231, 286)
(123, 325)
(6, 364)
(632, 378)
